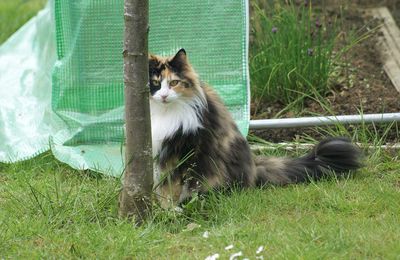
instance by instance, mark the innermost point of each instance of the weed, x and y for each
(294, 53)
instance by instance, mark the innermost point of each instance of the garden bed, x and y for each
(361, 87)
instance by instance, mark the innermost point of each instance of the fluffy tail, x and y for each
(333, 155)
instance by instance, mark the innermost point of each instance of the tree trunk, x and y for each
(135, 197)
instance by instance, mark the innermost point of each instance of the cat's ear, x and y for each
(179, 61)
(152, 57)
(153, 62)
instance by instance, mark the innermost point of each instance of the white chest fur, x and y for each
(166, 119)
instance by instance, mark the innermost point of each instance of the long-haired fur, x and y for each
(197, 145)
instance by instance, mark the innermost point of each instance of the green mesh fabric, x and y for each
(87, 79)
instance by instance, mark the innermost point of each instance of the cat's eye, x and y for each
(173, 83)
(155, 82)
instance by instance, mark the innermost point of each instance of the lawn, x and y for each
(15, 13)
(48, 210)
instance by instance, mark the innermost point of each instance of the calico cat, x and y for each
(197, 145)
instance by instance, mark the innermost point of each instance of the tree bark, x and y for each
(135, 197)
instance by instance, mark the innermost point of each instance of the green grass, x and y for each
(15, 13)
(294, 52)
(48, 210)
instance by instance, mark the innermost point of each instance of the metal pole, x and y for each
(324, 121)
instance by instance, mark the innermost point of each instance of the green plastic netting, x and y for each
(87, 88)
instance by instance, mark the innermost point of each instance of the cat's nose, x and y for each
(164, 97)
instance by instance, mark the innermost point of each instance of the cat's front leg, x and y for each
(174, 193)
(186, 192)
(169, 193)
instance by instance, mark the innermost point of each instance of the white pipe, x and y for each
(322, 120)
(302, 146)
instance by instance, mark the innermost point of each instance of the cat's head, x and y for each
(173, 79)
